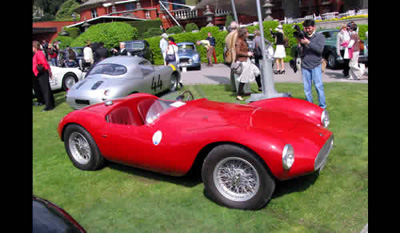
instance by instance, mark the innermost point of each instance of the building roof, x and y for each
(105, 18)
(89, 4)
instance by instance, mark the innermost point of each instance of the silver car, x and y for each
(120, 76)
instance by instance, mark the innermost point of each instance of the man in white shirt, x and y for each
(88, 54)
(164, 45)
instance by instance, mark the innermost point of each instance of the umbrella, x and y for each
(251, 7)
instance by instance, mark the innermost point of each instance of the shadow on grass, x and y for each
(298, 184)
(192, 179)
(189, 180)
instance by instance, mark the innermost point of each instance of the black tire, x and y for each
(251, 174)
(175, 78)
(331, 61)
(82, 149)
(68, 81)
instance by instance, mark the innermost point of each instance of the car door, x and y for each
(153, 78)
(148, 146)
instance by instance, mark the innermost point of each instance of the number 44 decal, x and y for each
(156, 84)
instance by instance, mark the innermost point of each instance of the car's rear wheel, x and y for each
(174, 81)
(236, 178)
(82, 149)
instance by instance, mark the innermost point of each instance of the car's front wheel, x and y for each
(236, 178)
(81, 148)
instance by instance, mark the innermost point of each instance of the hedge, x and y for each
(108, 33)
(220, 39)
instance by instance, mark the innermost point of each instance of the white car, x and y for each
(64, 78)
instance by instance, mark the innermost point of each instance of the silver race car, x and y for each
(120, 76)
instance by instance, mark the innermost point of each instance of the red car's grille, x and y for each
(323, 153)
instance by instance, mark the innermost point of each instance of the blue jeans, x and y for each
(310, 76)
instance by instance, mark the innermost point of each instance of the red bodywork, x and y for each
(263, 127)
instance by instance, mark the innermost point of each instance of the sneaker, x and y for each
(239, 98)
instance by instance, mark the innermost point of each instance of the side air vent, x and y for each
(96, 85)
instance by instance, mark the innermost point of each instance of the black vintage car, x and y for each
(140, 48)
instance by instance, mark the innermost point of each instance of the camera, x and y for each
(298, 34)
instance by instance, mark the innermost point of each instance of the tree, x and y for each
(66, 10)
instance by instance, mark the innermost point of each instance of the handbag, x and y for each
(237, 67)
(170, 57)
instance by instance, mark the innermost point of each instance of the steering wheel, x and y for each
(185, 96)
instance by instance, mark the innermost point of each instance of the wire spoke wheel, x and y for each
(236, 179)
(80, 148)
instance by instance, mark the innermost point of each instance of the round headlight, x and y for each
(325, 118)
(287, 157)
(196, 57)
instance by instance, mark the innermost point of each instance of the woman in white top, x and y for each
(171, 53)
(342, 41)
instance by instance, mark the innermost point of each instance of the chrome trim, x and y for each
(323, 154)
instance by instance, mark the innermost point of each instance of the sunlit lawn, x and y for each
(124, 199)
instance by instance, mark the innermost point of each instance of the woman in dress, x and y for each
(280, 53)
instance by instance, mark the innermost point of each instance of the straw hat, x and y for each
(164, 35)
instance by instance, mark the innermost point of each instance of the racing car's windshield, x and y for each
(159, 107)
(109, 69)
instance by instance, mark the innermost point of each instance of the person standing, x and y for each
(164, 45)
(88, 55)
(230, 53)
(249, 70)
(257, 51)
(171, 53)
(280, 52)
(356, 72)
(42, 72)
(209, 48)
(101, 53)
(52, 52)
(313, 45)
(342, 41)
(212, 43)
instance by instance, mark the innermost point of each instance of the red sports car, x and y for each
(241, 149)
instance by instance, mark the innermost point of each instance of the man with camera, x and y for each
(312, 46)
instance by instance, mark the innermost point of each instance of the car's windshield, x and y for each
(134, 45)
(159, 107)
(186, 47)
(108, 69)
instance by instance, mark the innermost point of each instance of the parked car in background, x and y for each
(330, 54)
(61, 57)
(64, 78)
(140, 48)
(119, 76)
(188, 56)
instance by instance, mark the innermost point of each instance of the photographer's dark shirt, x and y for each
(312, 53)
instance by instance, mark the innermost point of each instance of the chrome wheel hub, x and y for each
(79, 148)
(236, 179)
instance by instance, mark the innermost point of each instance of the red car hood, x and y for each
(220, 114)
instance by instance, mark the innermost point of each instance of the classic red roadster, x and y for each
(241, 149)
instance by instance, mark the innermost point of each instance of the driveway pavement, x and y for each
(219, 74)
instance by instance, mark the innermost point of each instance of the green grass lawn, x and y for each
(118, 198)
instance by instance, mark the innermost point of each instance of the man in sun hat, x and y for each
(164, 45)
